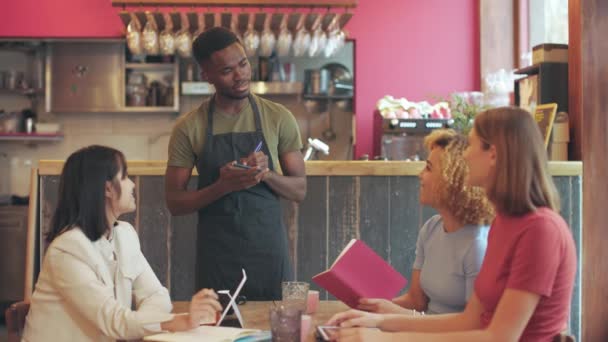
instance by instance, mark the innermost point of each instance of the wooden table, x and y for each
(256, 314)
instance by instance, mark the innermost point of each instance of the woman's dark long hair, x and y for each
(82, 201)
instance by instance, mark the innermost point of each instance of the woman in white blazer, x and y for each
(93, 266)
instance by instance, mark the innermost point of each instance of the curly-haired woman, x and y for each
(451, 245)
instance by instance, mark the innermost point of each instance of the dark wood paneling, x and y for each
(405, 222)
(575, 80)
(154, 226)
(374, 218)
(183, 256)
(343, 206)
(312, 232)
(183, 253)
(594, 48)
(343, 220)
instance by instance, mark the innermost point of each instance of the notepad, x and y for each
(212, 334)
(359, 272)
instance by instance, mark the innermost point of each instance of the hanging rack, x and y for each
(310, 9)
(239, 3)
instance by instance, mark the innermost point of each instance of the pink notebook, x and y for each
(359, 272)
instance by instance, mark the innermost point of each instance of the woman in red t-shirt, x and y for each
(524, 287)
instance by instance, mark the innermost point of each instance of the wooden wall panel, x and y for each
(374, 218)
(343, 208)
(404, 223)
(575, 80)
(593, 91)
(312, 233)
(154, 226)
(183, 256)
(343, 220)
(183, 253)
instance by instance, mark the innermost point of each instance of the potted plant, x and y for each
(464, 107)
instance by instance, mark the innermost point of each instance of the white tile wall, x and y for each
(141, 136)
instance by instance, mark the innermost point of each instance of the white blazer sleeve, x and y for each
(149, 293)
(78, 284)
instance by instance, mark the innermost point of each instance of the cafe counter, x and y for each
(376, 201)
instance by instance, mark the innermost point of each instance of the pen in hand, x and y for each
(258, 148)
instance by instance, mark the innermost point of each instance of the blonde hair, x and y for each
(468, 204)
(522, 181)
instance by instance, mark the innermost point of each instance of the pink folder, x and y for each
(359, 272)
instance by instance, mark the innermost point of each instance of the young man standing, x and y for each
(239, 211)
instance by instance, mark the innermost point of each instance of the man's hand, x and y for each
(235, 179)
(257, 160)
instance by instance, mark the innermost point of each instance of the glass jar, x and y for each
(136, 95)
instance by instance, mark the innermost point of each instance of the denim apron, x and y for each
(243, 229)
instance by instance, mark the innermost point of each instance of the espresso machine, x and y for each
(403, 139)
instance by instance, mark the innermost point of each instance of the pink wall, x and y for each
(59, 18)
(418, 49)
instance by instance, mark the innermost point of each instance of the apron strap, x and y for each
(256, 114)
(210, 117)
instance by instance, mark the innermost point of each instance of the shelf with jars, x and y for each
(24, 78)
(27, 80)
(151, 83)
